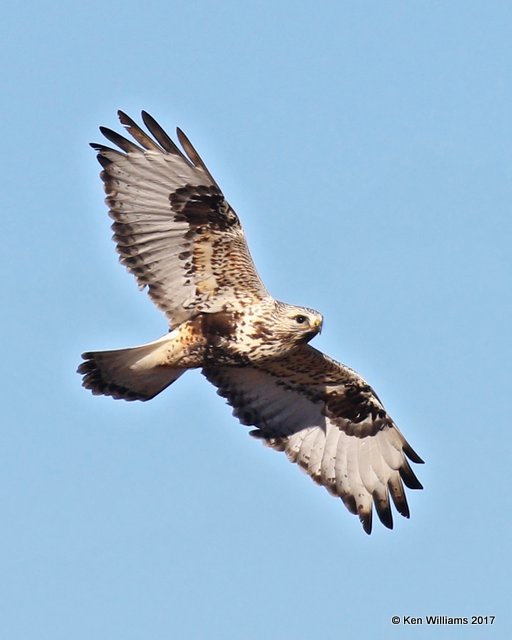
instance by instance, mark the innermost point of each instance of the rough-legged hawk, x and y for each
(179, 237)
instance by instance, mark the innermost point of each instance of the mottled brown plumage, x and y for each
(180, 238)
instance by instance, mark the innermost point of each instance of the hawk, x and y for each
(180, 238)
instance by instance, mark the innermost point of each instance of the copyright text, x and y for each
(443, 620)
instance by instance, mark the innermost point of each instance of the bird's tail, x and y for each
(137, 373)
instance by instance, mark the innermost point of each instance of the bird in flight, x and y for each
(180, 238)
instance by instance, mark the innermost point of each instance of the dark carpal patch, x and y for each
(354, 411)
(202, 206)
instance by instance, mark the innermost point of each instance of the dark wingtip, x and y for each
(125, 119)
(123, 143)
(161, 136)
(366, 521)
(411, 454)
(409, 477)
(383, 509)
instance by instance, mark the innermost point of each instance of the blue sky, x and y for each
(367, 148)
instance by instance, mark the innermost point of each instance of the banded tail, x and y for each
(136, 373)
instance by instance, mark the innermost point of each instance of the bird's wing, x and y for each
(172, 226)
(330, 422)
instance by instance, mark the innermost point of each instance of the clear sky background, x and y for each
(367, 147)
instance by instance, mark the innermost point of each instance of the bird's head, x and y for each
(300, 323)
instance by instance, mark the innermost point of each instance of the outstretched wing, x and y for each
(329, 421)
(172, 226)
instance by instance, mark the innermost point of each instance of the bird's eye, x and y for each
(300, 319)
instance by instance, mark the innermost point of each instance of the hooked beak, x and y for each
(316, 328)
(317, 325)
